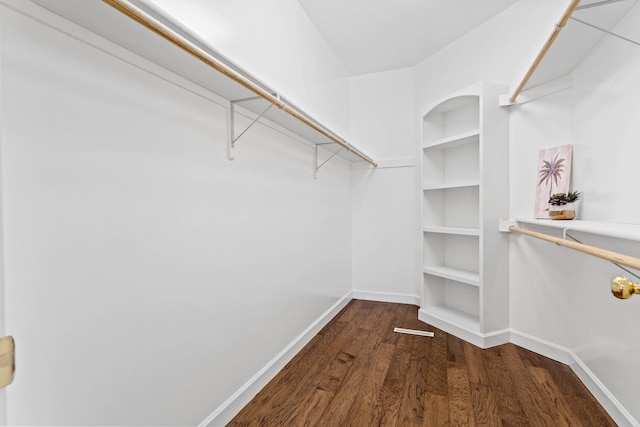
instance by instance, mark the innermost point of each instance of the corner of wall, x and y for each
(225, 413)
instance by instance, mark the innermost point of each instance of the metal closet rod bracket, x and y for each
(315, 158)
(232, 139)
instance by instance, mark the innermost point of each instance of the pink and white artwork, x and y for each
(554, 175)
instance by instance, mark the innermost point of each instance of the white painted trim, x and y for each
(386, 297)
(496, 338)
(608, 401)
(548, 349)
(476, 338)
(242, 396)
(564, 355)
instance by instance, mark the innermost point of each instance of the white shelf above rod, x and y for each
(614, 257)
(183, 43)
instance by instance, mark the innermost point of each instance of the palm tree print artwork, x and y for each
(550, 172)
(554, 174)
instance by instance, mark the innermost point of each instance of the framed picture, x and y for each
(554, 176)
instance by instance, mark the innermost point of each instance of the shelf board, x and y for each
(462, 276)
(455, 140)
(609, 229)
(474, 183)
(452, 316)
(462, 231)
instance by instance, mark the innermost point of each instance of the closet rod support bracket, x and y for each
(315, 157)
(504, 224)
(232, 139)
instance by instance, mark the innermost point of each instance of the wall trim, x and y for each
(564, 355)
(242, 396)
(546, 348)
(387, 297)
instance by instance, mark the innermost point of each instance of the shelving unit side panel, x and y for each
(494, 205)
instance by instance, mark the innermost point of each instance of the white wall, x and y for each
(561, 299)
(279, 44)
(499, 50)
(148, 278)
(384, 215)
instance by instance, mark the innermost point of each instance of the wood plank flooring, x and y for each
(358, 372)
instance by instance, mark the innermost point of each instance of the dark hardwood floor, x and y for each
(358, 372)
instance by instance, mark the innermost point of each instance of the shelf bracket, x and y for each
(231, 144)
(606, 31)
(315, 159)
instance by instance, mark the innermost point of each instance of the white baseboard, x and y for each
(564, 355)
(387, 297)
(476, 338)
(240, 398)
(540, 346)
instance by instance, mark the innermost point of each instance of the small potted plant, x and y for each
(562, 206)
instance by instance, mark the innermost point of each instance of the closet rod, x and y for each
(614, 257)
(552, 38)
(159, 28)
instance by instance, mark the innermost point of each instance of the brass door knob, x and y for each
(623, 288)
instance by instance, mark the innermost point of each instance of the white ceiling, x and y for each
(378, 35)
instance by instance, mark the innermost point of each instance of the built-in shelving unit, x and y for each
(464, 154)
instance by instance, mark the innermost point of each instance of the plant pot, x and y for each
(566, 211)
